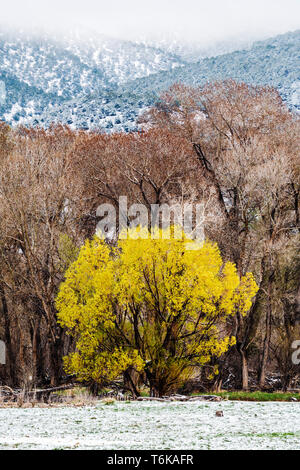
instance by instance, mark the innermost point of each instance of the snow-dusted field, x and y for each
(245, 425)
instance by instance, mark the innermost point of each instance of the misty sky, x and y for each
(201, 20)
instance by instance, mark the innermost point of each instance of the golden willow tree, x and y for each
(150, 305)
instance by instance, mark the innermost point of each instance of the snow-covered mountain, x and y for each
(191, 51)
(72, 64)
(40, 71)
(99, 82)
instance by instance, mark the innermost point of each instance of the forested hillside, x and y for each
(105, 83)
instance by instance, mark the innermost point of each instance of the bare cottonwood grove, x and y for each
(232, 146)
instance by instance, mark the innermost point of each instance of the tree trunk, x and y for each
(245, 372)
(286, 382)
(10, 374)
(131, 381)
(298, 306)
(153, 384)
(57, 352)
(218, 385)
(154, 391)
(267, 338)
(251, 322)
(36, 352)
(266, 346)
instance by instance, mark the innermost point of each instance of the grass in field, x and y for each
(71, 392)
(258, 396)
(82, 392)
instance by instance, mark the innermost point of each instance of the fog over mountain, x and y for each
(198, 21)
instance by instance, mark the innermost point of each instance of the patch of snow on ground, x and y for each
(183, 426)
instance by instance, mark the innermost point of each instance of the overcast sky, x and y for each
(201, 20)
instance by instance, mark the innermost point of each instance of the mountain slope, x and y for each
(46, 71)
(105, 83)
(71, 65)
(274, 62)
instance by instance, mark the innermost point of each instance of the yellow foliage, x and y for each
(150, 304)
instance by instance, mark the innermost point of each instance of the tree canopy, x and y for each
(150, 304)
